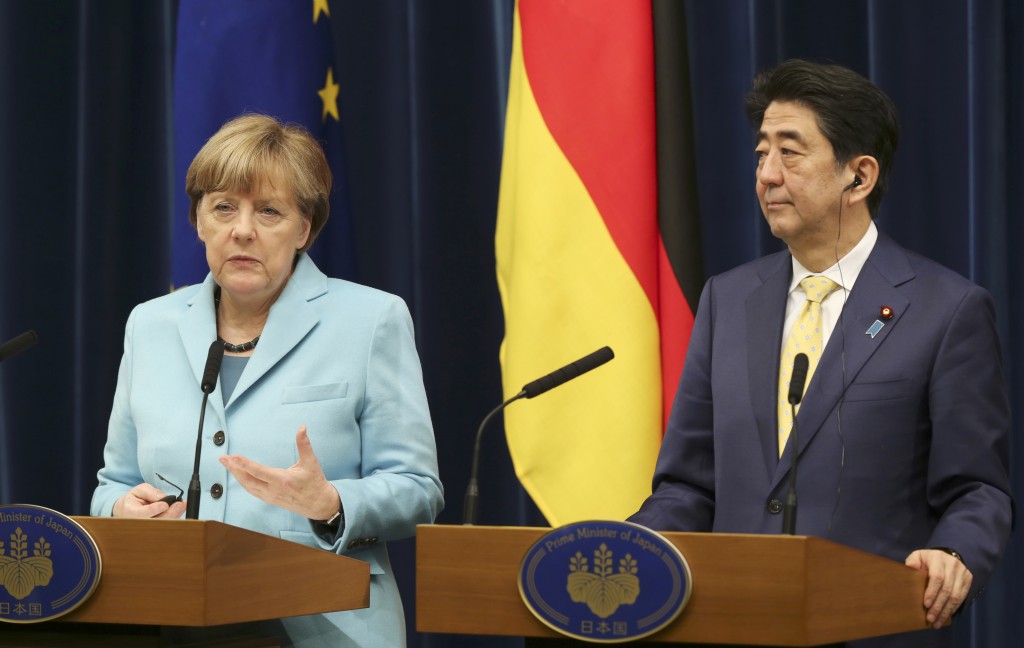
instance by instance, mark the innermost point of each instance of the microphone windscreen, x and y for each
(13, 347)
(212, 370)
(798, 378)
(568, 372)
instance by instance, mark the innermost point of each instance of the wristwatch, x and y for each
(951, 552)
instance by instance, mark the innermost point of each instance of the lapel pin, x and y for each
(886, 313)
(874, 329)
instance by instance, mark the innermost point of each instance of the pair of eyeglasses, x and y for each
(171, 499)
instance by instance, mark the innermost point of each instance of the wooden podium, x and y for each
(747, 589)
(202, 573)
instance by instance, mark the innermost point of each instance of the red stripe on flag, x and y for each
(591, 68)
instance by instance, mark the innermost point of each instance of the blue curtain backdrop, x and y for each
(87, 189)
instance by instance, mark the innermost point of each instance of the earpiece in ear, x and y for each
(855, 183)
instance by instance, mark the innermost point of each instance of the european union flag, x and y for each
(274, 57)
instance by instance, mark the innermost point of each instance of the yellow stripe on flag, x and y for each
(585, 450)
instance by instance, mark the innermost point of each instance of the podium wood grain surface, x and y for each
(202, 573)
(747, 589)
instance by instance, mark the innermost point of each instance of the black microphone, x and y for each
(210, 373)
(470, 503)
(213, 360)
(798, 378)
(796, 394)
(568, 372)
(16, 345)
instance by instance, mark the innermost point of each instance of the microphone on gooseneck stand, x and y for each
(16, 345)
(796, 393)
(470, 503)
(568, 372)
(213, 359)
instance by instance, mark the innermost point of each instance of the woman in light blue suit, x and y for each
(318, 429)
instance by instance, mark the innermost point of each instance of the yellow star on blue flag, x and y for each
(320, 6)
(329, 95)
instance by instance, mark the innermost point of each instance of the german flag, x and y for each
(588, 253)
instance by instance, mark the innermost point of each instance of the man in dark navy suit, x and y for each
(903, 428)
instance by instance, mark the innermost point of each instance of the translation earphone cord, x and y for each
(842, 359)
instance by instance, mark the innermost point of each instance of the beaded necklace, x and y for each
(232, 348)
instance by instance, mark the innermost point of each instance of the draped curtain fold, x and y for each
(86, 187)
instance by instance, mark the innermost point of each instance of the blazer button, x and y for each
(774, 507)
(218, 438)
(216, 491)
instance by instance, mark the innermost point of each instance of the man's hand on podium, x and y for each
(949, 580)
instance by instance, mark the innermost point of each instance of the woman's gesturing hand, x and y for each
(302, 488)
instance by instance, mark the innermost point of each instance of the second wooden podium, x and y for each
(747, 589)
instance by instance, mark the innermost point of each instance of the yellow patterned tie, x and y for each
(804, 337)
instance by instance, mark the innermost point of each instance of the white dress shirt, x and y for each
(844, 272)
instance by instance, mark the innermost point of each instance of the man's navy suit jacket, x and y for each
(903, 436)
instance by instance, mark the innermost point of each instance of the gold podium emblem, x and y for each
(21, 573)
(582, 580)
(602, 590)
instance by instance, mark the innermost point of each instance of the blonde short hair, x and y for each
(251, 149)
